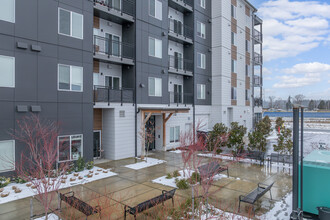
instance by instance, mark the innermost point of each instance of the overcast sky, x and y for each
(296, 47)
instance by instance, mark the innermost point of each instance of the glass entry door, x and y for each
(97, 144)
(177, 93)
(150, 133)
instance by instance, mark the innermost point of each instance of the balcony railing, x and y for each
(257, 36)
(111, 47)
(178, 63)
(181, 98)
(123, 6)
(258, 102)
(180, 29)
(257, 81)
(111, 95)
(257, 59)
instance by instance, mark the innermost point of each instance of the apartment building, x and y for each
(108, 70)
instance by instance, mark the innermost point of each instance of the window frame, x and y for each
(247, 95)
(202, 3)
(14, 156)
(70, 35)
(161, 87)
(14, 14)
(112, 77)
(201, 33)
(233, 93)
(159, 17)
(233, 66)
(14, 71)
(233, 11)
(203, 64)
(70, 137)
(247, 46)
(233, 38)
(202, 94)
(175, 130)
(161, 43)
(58, 78)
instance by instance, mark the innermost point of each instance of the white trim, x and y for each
(71, 12)
(13, 85)
(14, 156)
(203, 35)
(161, 85)
(161, 16)
(203, 88)
(58, 78)
(156, 39)
(112, 80)
(202, 3)
(70, 138)
(203, 64)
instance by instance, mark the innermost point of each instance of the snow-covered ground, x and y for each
(281, 210)
(176, 151)
(98, 173)
(309, 123)
(147, 162)
(51, 216)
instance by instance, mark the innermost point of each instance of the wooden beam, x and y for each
(168, 117)
(147, 118)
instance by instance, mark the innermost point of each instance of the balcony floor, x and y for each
(112, 14)
(113, 59)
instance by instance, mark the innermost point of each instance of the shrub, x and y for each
(176, 173)
(4, 181)
(195, 178)
(215, 139)
(80, 164)
(284, 142)
(279, 123)
(18, 180)
(182, 184)
(235, 139)
(90, 165)
(169, 176)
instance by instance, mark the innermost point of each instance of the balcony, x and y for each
(257, 20)
(180, 66)
(257, 36)
(118, 11)
(182, 5)
(257, 81)
(180, 33)
(257, 58)
(258, 102)
(109, 95)
(113, 51)
(179, 98)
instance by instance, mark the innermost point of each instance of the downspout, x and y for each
(135, 88)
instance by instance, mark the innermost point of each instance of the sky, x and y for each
(296, 47)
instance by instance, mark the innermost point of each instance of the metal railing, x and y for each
(114, 48)
(189, 2)
(257, 58)
(181, 98)
(179, 28)
(257, 81)
(180, 63)
(123, 6)
(258, 102)
(257, 35)
(111, 95)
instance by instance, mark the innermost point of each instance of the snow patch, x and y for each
(147, 162)
(51, 216)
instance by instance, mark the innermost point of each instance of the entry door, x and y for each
(177, 93)
(112, 82)
(150, 133)
(97, 144)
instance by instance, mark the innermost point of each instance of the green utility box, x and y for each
(316, 181)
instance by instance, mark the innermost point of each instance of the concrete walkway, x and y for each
(132, 187)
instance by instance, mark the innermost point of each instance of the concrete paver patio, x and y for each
(132, 187)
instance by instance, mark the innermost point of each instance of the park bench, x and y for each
(78, 204)
(256, 194)
(166, 195)
(254, 155)
(280, 158)
(211, 169)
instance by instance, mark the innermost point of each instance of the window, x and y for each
(155, 86)
(70, 147)
(200, 91)
(233, 11)
(247, 95)
(155, 9)
(112, 45)
(233, 66)
(233, 93)
(7, 10)
(247, 46)
(70, 78)
(70, 23)
(201, 60)
(233, 38)
(7, 162)
(202, 3)
(112, 82)
(155, 47)
(7, 71)
(175, 134)
(201, 29)
(96, 79)
(247, 70)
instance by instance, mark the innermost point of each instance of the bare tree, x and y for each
(271, 101)
(298, 99)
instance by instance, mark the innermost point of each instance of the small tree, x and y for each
(322, 105)
(215, 137)
(284, 142)
(235, 138)
(37, 164)
(311, 105)
(257, 138)
(266, 127)
(279, 123)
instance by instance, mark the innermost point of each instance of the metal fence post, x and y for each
(31, 208)
(193, 202)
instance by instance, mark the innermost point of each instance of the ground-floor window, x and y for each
(70, 147)
(7, 160)
(175, 134)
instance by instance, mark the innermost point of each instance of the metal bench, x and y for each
(209, 170)
(256, 194)
(79, 204)
(281, 158)
(254, 155)
(166, 195)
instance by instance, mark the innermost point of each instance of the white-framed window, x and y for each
(70, 147)
(96, 79)
(233, 66)
(113, 82)
(7, 10)
(201, 91)
(70, 23)
(233, 38)
(174, 134)
(233, 93)
(7, 71)
(201, 29)
(155, 9)
(155, 47)
(202, 3)
(247, 46)
(70, 78)
(201, 60)
(233, 11)
(155, 86)
(7, 161)
(247, 95)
